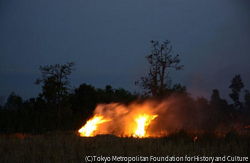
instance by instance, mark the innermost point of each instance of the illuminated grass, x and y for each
(69, 147)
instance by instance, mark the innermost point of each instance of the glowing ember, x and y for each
(91, 126)
(143, 121)
(195, 138)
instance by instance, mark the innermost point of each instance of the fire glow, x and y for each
(91, 126)
(117, 119)
(148, 118)
(143, 121)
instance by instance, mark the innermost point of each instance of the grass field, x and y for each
(69, 147)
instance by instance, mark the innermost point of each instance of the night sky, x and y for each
(108, 41)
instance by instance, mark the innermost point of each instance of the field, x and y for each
(69, 147)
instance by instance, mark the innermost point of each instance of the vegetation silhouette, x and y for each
(236, 87)
(55, 85)
(59, 107)
(158, 81)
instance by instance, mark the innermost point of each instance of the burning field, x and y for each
(152, 118)
(139, 129)
(120, 120)
(149, 118)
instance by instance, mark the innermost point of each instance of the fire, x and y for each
(140, 119)
(134, 119)
(143, 121)
(91, 126)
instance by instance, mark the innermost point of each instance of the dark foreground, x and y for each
(69, 147)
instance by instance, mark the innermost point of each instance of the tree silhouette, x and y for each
(160, 58)
(14, 102)
(84, 100)
(179, 88)
(215, 98)
(247, 100)
(55, 83)
(219, 112)
(236, 87)
(1, 101)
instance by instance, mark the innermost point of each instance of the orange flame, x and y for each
(143, 121)
(91, 126)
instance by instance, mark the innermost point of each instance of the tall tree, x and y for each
(247, 100)
(84, 100)
(2, 100)
(158, 78)
(215, 98)
(236, 87)
(55, 79)
(14, 102)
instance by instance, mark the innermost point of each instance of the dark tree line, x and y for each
(59, 107)
(201, 112)
(37, 115)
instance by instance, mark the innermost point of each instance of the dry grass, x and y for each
(69, 147)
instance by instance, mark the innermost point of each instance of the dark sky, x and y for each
(108, 41)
